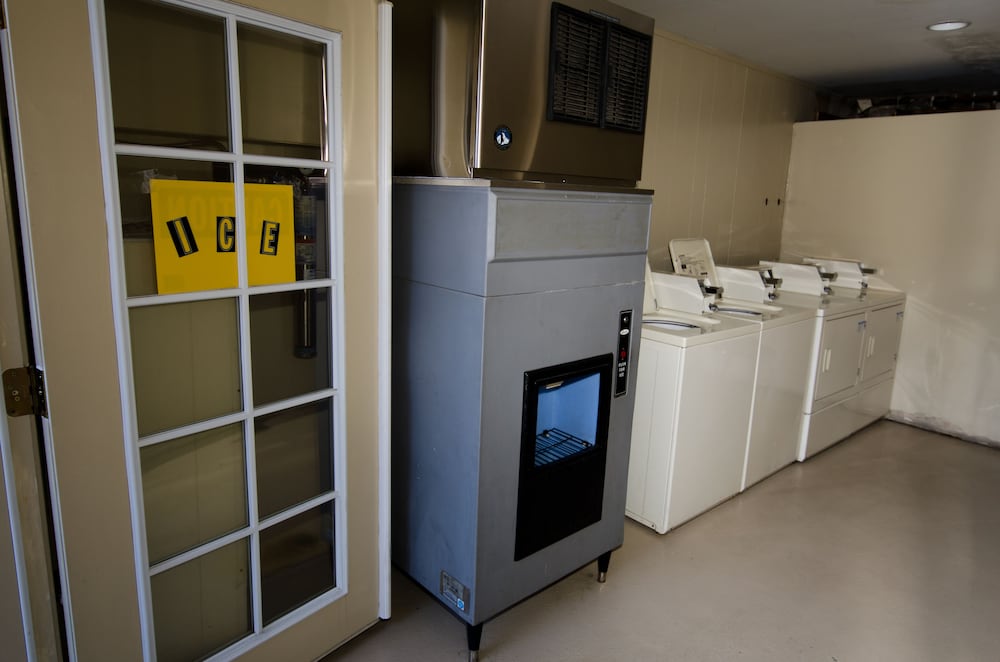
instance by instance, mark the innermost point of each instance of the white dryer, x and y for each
(853, 357)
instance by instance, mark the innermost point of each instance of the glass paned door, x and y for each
(174, 94)
(227, 175)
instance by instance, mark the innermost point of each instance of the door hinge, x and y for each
(24, 392)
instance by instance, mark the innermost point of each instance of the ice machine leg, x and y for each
(473, 635)
(603, 561)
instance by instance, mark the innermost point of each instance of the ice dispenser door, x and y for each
(564, 436)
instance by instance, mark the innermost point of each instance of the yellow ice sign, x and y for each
(194, 235)
(270, 234)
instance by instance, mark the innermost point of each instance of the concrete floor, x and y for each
(885, 547)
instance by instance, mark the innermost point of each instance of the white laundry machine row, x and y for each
(853, 356)
(729, 391)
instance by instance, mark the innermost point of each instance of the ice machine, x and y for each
(513, 384)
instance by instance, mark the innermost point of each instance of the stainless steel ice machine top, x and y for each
(520, 89)
(512, 384)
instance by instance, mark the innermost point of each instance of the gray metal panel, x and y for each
(536, 224)
(505, 278)
(435, 62)
(440, 235)
(524, 333)
(555, 240)
(498, 241)
(437, 390)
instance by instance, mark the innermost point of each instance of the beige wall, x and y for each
(718, 133)
(917, 197)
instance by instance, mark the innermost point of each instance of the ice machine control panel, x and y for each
(624, 336)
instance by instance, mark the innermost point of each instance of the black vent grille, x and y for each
(599, 71)
(629, 55)
(577, 66)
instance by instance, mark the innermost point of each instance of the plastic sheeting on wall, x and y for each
(917, 198)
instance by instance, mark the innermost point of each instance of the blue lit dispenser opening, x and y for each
(567, 418)
(564, 447)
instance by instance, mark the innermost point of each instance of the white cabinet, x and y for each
(857, 348)
(853, 363)
(881, 341)
(840, 353)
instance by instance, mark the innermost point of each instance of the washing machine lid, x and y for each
(851, 274)
(746, 283)
(826, 305)
(674, 327)
(768, 315)
(877, 297)
(797, 278)
(693, 257)
(681, 318)
(746, 307)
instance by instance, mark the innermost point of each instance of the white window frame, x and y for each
(332, 162)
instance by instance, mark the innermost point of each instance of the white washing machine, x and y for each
(782, 371)
(853, 357)
(693, 398)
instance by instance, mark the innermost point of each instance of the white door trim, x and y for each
(109, 175)
(384, 301)
(11, 531)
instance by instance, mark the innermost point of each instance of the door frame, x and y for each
(384, 302)
(38, 565)
(15, 605)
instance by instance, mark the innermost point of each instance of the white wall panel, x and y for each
(718, 133)
(916, 197)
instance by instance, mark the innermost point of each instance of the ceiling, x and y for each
(851, 47)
